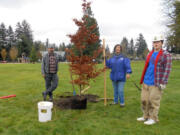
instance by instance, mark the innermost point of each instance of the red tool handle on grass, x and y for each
(7, 96)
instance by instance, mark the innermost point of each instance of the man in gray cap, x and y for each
(49, 71)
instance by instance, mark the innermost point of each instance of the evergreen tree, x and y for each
(37, 45)
(62, 47)
(55, 47)
(145, 53)
(33, 55)
(124, 44)
(10, 39)
(24, 38)
(69, 46)
(91, 22)
(141, 46)
(47, 43)
(131, 50)
(27, 31)
(3, 35)
(18, 31)
(107, 51)
(11, 36)
(172, 11)
(24, 46)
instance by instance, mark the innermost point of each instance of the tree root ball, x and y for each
(75, 102)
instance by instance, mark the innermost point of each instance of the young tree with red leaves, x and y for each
(82, 65)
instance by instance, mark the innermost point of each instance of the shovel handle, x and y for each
(7, 96)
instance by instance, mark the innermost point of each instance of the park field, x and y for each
(19, 115)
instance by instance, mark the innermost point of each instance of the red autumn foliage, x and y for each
(83, 67)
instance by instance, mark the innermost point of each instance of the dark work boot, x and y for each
(50, 96)
(44, 96)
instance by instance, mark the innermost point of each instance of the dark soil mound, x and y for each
(67, 101)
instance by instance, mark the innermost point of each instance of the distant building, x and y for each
(175, 56)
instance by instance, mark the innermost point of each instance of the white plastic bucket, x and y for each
(44, 111)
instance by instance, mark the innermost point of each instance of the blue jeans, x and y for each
(118, 91)
(51, 81)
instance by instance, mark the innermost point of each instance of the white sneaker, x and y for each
(122, 105)
(141, 119)
(149, 122)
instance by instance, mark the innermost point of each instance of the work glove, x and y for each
(162, 86)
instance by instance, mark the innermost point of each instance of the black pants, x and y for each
(51, 81)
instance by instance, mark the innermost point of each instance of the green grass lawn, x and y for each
(19, 115)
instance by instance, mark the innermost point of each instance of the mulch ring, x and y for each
(68, 101)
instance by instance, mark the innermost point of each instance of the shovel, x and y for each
(74, 92)
(135, 84)
(7, 96)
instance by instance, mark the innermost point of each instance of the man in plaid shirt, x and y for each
(49, 71)
(154, 79)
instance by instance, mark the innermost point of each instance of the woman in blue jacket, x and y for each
(120, 70)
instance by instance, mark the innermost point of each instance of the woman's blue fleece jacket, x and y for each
(119, 65)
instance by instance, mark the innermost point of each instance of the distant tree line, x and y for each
(19, 43)
(134, 50)
(172, 12)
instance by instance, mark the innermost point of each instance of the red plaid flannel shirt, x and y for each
(162, 67)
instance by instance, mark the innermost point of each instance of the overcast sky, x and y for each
(116, 18)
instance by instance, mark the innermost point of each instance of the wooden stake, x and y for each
(104, 54)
